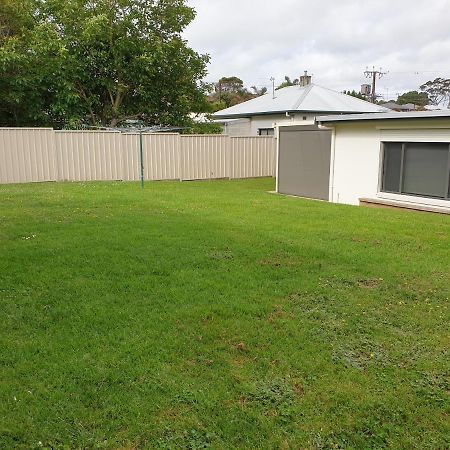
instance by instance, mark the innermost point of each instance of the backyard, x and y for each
(215, 314)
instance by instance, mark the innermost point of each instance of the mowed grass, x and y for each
(217, 315)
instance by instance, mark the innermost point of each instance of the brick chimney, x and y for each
(305, 80)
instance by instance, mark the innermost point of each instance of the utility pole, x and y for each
(272, 79)
(374, 74)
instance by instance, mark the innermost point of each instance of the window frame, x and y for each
(402, 163)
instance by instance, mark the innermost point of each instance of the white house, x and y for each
(391, 159)
(290, 105)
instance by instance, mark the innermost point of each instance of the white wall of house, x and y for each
(270, 121)
(251, 126)
(237, 127)
(356, 157)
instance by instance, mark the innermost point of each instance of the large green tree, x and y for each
(438, 91)
(229, 91)
(98, 62)
(414, 97)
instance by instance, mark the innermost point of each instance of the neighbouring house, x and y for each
(401, 108)
(388, 159)
(290, 105)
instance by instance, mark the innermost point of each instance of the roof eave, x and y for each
(293, 111)
(391, 116)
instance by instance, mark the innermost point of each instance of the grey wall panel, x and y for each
(304, 162)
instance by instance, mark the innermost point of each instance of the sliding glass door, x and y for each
(421, 169)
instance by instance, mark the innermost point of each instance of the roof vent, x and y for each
(305, 80)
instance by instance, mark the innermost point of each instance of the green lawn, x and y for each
(215, 314)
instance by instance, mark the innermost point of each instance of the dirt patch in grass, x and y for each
(370, 283)
(359, 354)
(280, 260)
(277, 314)
(221, 254)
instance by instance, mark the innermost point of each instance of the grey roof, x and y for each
(311, 98)
(385, 116)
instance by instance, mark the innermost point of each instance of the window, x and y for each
(419, 168)
(266, 132)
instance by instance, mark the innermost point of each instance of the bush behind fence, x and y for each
(43, 154)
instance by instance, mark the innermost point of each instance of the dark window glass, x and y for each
(392, 166)
(419, 169)
(266, 132)
(425, 169)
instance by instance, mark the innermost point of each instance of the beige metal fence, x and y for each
(204, 157)
(87, 156)
(252, 157)
(42, 154)
(27, 155)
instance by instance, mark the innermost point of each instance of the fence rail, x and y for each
(43, 154)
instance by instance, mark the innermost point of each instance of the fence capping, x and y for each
(86, 131)
(26, 129)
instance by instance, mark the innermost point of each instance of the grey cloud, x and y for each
(335, 40)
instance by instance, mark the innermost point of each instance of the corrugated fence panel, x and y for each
(27, 155)
(204, 157)
(253, 157)
(89, 155)
(41, 154)
(161, 156)
(130, 157)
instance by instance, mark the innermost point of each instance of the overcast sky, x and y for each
(333, 39)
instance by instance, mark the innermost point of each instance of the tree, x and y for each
(229, 91)
(204, 128)
(288, 82)
(355, 94)
(230, 84)
(259, 91)
(30, 70)
(13, 16)
(99, 62)
(438, 91)
(414, 97)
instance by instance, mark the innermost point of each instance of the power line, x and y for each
(418, 72)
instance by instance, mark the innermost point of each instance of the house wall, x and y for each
(250, 126)
(270, 121)
(240, 127)
(356, 156)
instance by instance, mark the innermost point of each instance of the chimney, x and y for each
(305, 80)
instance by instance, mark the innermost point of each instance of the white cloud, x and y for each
(334, 40)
